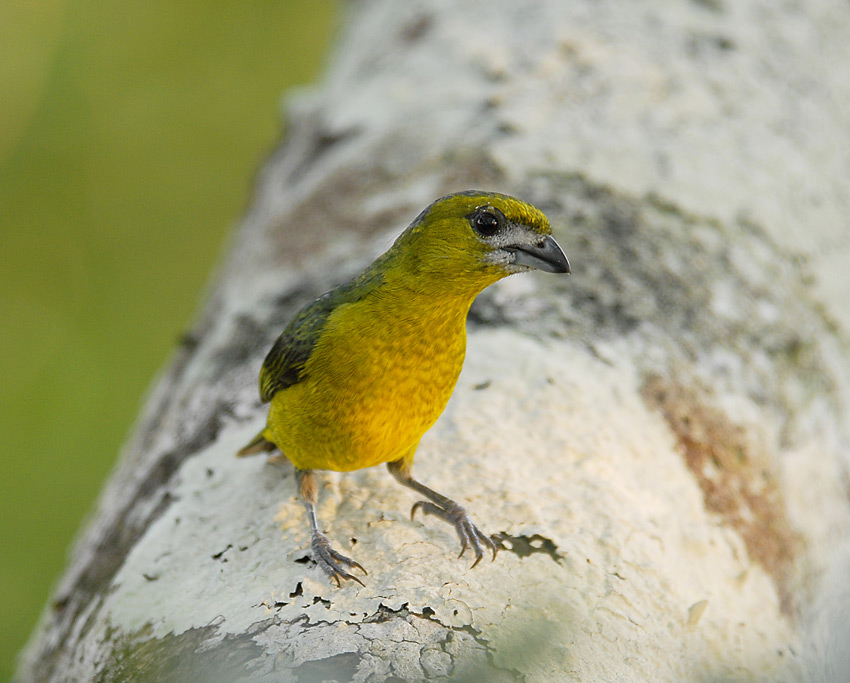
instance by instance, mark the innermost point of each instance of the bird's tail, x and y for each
(259, 444)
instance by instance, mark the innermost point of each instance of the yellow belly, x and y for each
(371, 390)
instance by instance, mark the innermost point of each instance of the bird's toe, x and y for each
(469, 534)
(332, 562)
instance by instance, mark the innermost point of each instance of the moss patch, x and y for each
(193, 655)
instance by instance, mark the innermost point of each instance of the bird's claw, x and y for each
(332, 562)
(469, 534)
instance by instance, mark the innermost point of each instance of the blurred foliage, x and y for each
(129, 137)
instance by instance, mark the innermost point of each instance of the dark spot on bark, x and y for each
(248, 340)
(294, 298)
(705, 46)
(487, 313)
(325, 140)
(384, 613)
(299, 591)
(220, 554)
(724, 43)
(506, 129)
(317, 140)
(525, 546)
(713, 5)
(483, 385)
(415, 30)
(189, 341)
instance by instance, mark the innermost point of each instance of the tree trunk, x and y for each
(660, 441)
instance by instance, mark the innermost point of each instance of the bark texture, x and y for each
(661, 441)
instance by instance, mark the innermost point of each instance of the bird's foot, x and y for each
(333, 563)
(469, 534)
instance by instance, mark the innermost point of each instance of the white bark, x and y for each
(662, 439)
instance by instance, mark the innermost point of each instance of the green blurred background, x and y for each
(129, 137)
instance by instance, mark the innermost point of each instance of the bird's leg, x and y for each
(444, 508)
(331, 562)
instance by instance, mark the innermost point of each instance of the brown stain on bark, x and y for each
(337, 206)
(736, 477)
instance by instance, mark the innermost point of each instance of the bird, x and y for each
(361, 373)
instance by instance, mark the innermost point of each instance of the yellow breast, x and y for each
(379, 377)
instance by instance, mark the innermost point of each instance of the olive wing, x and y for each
(284, 363)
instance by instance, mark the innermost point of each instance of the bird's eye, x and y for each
(486, 222)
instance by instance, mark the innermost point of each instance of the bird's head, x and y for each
(478, 238)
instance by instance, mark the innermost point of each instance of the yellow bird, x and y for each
(359, 375)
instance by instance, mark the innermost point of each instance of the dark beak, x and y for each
(547, 256)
